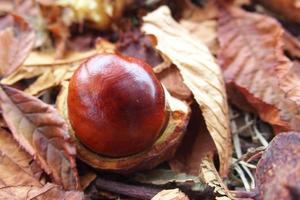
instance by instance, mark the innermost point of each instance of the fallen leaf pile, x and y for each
(231, 73)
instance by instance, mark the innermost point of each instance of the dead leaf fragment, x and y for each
(136, 44)
(43, 134)
(200, 74)
(47, 192)
(172, 80)
(250, 54)
(211, 177)
(16, 166)
(174, 194)
(277, 171)
(16, 42)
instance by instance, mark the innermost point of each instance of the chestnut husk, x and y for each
(163, 149)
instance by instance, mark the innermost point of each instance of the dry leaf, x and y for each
(50, 72)
(16, 42)
(277, 171)
(200, 74)
(250, 54)
(16, 166)
(47, 192)
(42, 133)
(290, 9)
(174, 194)
(136, 44)
(206, 31)
(212, 178)
(290, 81)
(172, 80)
(201, 22)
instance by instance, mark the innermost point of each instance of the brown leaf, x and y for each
(290, 9)
(137, 44)
(290, 81)
(278, 170)
(16, 42)
(42, 133)
(173, 81)
(200, 74)
(250, 54)
(16, 167)
(47, 192)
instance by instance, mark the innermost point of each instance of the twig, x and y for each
(139, 192)
(243, 177)
(259, 136)
(236, 140)
(252, 183)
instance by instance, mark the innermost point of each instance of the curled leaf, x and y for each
(200, 74)
(43, 134)
(250, 54)
(16, 42)
(278, 170)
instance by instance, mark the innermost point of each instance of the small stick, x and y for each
(139, 192)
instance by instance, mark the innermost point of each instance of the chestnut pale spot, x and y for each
(116, 105)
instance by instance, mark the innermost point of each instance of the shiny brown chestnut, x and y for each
(116, 105)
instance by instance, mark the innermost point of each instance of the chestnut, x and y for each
(116, 105)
